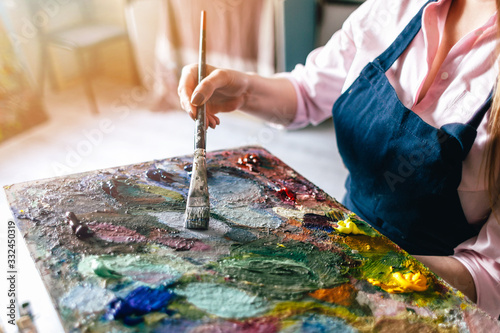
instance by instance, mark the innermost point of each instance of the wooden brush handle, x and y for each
(200, 136)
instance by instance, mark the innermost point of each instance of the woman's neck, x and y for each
(463, 17)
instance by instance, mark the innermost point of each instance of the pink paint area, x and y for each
(120, 234)
(257, 325)
(151, 278)
(388, 307)
(177, 243)
(116, 233)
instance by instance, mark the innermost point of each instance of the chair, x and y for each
(87, 35)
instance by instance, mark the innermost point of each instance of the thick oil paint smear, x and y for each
(139, 197)
(287, 270)
(214, 299)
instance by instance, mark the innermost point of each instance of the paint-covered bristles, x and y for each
(198, 201)
(197, 217)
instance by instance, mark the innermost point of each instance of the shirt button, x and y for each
(444, 75)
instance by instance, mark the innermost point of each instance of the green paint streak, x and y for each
(107, 266)
(287, 272)
(366, 228)
(275, 277)
(103, 271)
(223, 301)
(382, 267)
(168, 194)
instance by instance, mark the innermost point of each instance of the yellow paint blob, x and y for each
(348, 226)
(280, 245)
(403, 283)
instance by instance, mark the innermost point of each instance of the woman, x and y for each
(409, 83)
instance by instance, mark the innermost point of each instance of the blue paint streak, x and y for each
(318, 222)
(139, 302)
(320, 228)
(323, 324)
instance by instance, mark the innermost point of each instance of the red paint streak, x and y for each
(250, 161)
(286, 195)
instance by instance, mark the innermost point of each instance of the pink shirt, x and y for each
(462, 84)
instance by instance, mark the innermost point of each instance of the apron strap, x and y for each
(479, 114)
(392, 53)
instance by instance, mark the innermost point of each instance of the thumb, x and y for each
(203, 92)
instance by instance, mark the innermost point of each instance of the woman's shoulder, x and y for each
(376, 23)
(389, 10)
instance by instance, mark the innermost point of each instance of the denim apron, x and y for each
(403, 172)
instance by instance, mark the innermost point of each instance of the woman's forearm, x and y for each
(271, 98)
(453, 272)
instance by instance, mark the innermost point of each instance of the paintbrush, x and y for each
(198, 202)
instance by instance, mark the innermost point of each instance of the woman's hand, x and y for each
(272, 99)
(222, 90)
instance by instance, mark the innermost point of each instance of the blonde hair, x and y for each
(493, 148)
(493, 144)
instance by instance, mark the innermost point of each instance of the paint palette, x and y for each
(280, 255)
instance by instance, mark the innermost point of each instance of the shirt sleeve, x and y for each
(319, 82)
(481, 256)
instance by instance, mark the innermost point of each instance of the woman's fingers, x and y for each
(187, 84)
(191, 94)
(217, 120)
(219, 91)
(217, 79)
(212, 120)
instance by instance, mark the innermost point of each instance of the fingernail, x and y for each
(197, 99)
